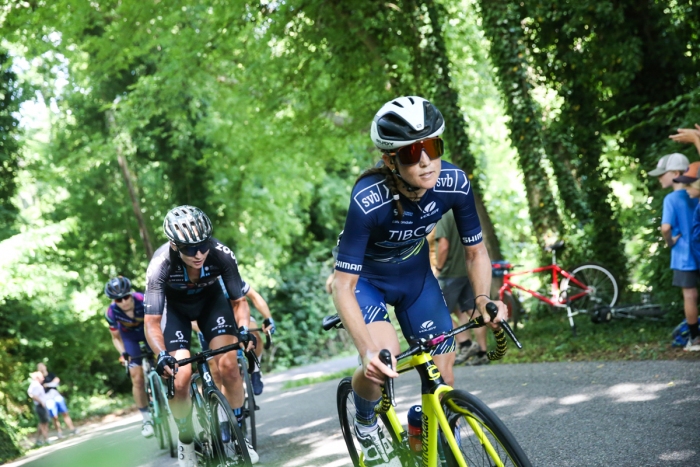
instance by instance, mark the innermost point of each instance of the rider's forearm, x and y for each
(351, 316)
(241, 311)
(154, 335)
(479, 271)
(667, 234)
(118, 344)
(259, 304)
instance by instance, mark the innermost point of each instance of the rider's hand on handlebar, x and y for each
(246, 338)
(269, 325)
(375, 370)
(167, 365)
(501, 316)
(123, 358)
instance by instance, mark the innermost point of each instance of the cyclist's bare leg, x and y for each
(259, 344)
(480, 334)
(138, 388)
(214, 370)
(690, 304)
(181, 403)
(445, 363)
(232, 383)
(68, 421)
(384, 336)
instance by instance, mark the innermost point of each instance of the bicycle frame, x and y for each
(432, 389)
(556, 298)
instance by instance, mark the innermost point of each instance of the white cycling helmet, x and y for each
(405, 120)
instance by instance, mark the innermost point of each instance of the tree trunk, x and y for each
(501, 24)
(435, 60)
(130, 186)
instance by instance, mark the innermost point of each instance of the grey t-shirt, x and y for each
(455, 265)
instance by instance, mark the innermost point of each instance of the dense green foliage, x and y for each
(259, 113)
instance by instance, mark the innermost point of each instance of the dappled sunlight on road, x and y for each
(534, 405)
(575, 399)
(292, 429)
(288, 394)
(635, 392)
(677, 455)
(323, 448)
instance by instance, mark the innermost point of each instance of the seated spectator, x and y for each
(38, 395)
(55, 403)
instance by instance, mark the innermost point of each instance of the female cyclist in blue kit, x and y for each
(383, 255)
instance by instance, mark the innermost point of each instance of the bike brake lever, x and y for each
(171, 387)
(385, 357)
(492, 310)
(252, 361)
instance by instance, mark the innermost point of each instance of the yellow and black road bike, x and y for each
(458, 429)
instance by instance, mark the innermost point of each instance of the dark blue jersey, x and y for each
(376, 242)
(118, 320)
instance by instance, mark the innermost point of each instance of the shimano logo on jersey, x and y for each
(373, 197)
(452, 181)
(473, 239)
(348, 266)
(403, 235)
(427, 326)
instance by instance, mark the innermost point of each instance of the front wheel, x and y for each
(248, 424)
(229, 446)
(162, 417)
(482, 437)
(592, 286)
(346, 415)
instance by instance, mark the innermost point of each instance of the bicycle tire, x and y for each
(248, 425)
(463, 408)
(604, 287)
(346, 416)
(231, 449)
(165, 422)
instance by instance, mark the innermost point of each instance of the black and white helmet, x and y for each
(187, 225)
(118, 287)
(404, 121)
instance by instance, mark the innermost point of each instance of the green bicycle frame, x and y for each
(432, 389)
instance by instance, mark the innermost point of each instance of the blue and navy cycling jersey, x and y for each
(118, 320)
(375, 238)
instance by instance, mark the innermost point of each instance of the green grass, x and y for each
(546, 337)
(318, 379)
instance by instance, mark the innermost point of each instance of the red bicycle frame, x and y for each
(556, 298)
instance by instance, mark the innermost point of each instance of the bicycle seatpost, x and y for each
(385, 357)
(492, 310)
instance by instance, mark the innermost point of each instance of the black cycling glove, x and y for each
(125, 356)
(244, 336)
(165, 359)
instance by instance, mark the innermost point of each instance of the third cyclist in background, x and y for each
(125, 318)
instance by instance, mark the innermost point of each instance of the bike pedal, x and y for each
(257, 407)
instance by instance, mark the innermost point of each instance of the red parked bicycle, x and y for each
(585, 288)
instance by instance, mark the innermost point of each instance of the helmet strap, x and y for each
(410, 188)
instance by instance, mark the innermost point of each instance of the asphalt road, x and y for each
(563, 414)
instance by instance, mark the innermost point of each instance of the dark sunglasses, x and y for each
(191, 250)
(125, 297)
(411, 154)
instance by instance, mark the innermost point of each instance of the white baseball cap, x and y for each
(675, 161)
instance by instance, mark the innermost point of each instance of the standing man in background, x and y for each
(459, 296)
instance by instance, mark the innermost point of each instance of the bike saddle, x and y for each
(558, 245)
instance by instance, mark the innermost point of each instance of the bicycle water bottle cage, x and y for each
(500, 268)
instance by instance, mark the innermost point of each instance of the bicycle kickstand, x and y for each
(570, 315)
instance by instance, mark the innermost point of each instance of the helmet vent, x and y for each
(411, 99)
(397, 104)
